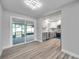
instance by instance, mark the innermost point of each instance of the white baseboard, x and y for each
(70, 53)
(6, 47)
(40, 40)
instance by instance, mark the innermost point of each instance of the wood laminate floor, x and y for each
(46, 50)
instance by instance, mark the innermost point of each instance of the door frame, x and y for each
(25, 19)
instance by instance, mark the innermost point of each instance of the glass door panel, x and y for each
(18, 33)
(29, 31)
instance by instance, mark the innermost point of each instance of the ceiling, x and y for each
(48, 6)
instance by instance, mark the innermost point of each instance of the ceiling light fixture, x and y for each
(34, 4)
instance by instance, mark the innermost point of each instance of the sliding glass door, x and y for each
(22, 31)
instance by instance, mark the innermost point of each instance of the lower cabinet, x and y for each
(50, 35)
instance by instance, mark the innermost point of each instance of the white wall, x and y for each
(70, 25)
(0, 30)
(6, 27)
